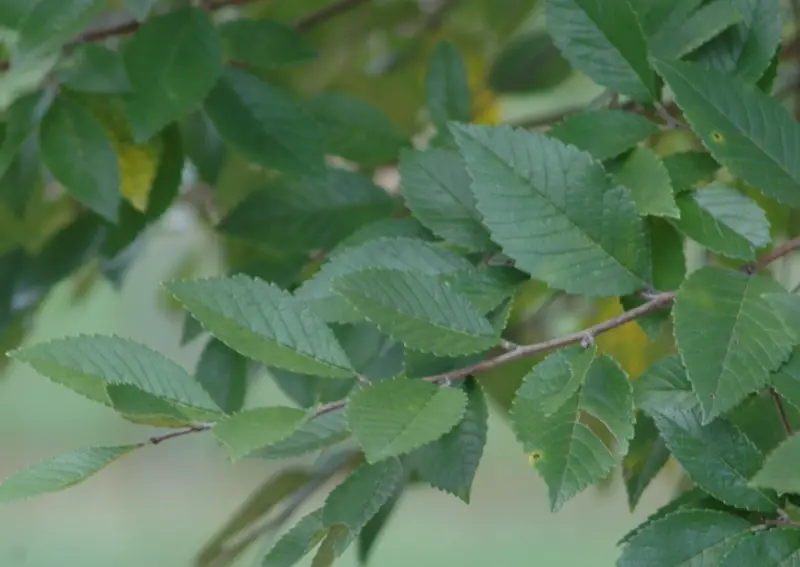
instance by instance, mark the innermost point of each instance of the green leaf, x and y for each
(21, 119)
(263, 43)
(718, 457)
(253, 429)
(778, 547)
(23, 178)
(406, 228)
(486, 287)
(604, 133)
(320, 432)
(604, 41)
(357, 130)
(307, 214)
(394, 253)
(370, 533)
(436, 187)
(747, 48)
(647, 456)
(664, 386)
(139, 8)
(677, 41)
(385, 428)
(450, 463)
(172, 61)
(567, 449)
(265, 323)
(95, 69)
(787, 306)
(688, 169)
(78, 152)
(780, 468)
(787, 379)
(359, 497)
(758, 418)
(140, 407)
(729, 337)
(419, 310)
(724, 221)
(527, 64)
(757, 144)
(699, 538)
(203, 146)
(553, 210)
(223, 373)
(336, 540)
(446, 86)
(60, 472)
(649, 183)
(297, 542)
(85, 364)
(265, 125)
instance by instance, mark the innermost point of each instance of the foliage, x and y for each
(390, 313)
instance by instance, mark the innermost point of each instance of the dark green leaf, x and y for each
(95, 69)
(758, 418)
(297, 542)
(372, 530)
(778, 547)
(336, 540)
(604, 133)
(664, 386)
(528, 63)
(646, 457)
(263, 43)
(648, 182)
(22, 178)
(320, 432)
(21, 119)
(140, 407)
(787, 379)
(253, 429)
(780, 468)
(677, 41)
(688, 169)
(447, 88)
(787, 306)
(223, 373)
(203, 146)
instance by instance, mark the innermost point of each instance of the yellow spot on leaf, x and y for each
(534, 458)
(717, 137)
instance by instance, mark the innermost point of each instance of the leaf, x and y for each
(757, 144)
(787, 306)
(86, 364)
(728, 336)
(646, 457)
(486, 287)
(406, 228)
(253, 429)
(336, 539)
(563, 438)
(450, 463)
(554, 211)
(649, 183)
(223, 373)
(95, 69)
(77, 150)
(758, 418)
(297, 542)
(718, 457)
(664, 386)
(22, 179)
(724, 221)
(265, 323)
(418, 310)
(787, 379)
(448, 94)
(747, 48)
(139, 8)
(780, 468)
(307, 214)
(700, 538)
(356, 130)
(604, 133)
(21, 119)
(319, 433)
(604, 41)
(393, 253)
(436, 188)
(172, 61)
(528, 63)
(265, 125)
(359, 497)
(370, 533)
(60, 472)
(385, 428)
(263, 43)
(779, 546)
(140, 407)
(677, 41)
(688, 169)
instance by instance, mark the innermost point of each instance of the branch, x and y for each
(782, 250)
(781, 411)
(179, 433)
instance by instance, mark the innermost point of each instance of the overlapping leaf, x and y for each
(649, 183)
(263, 43)
(263, 322)
(729, 337)
(446, 86)
(318, 433)
(297, 542)
(688, 169)
(787, 306)
(223, 373)
(674, 41)
(780, 546)
(253, 429)
(787, 379)
(138, 406)
(664, 386)
(780, 468)
(604, 133)
(646, 457)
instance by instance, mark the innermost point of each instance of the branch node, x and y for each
(587, 340)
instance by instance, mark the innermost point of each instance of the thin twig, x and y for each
(781, 411)
(179, 433)
(782, 250)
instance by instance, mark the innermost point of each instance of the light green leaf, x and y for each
(699, 538)
(747, 48)
(78, 152)
(395, 253)
(654, 15)
(604, 133)
(648, 181)
(677, 41)
(385, 428)
(297, 542)
(307, 214)
(359, 497)
(95, 69)
(60, 472)
(646, 457)
(689, 169)
(728, 336)
(172, 61)
(553, 210)
(265, 323)
(446, 86)
(435, 184)
(318, 433)
(486, 287)
(223, 373)
(253, 429)
(664, 386)
(263, 43)
(787, 379)
(779, 547)
(265, 125)
(450, 463)
(357, 130)
(85, 364)
(138, 406)
(418, 310)
(718, 457)
(780, 468)
(787, 306)
(567, 449)
(743, 128)
(605, 41)
(724, 221)
(372, 530)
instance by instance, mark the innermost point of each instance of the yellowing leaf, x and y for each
(628, 344)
